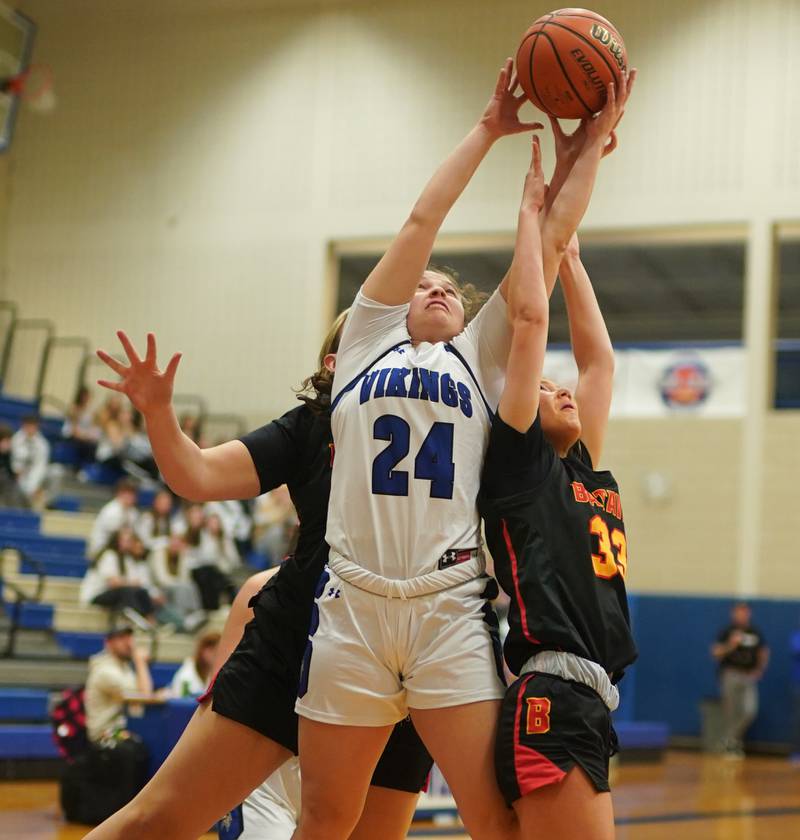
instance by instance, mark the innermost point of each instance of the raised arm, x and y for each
(528, 307)
(578, 158)
(199, 475)
(395, 277)
(592, 349)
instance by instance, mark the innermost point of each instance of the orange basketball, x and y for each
(566, 61)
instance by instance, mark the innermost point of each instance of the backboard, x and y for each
(16, 43)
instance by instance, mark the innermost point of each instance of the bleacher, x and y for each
(55, 634)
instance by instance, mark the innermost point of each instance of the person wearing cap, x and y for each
(117, 673)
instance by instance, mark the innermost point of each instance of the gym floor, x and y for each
(691, 796)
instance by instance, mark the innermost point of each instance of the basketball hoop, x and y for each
(33, 86)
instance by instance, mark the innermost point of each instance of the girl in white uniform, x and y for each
(401, 623)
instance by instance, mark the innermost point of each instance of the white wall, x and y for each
(205, 152)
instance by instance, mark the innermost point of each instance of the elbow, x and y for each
(189, 492)
(530, 316)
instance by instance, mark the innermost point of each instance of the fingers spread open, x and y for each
(172, 367)
(116, 366)
(112, 386)
(150, 358)
(130, 350)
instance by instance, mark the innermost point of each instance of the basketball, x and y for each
(566, 61)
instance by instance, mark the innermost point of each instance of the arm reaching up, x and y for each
(199, 475)
(578, 158)
(528, 307)
(592, 349)
(395, 277)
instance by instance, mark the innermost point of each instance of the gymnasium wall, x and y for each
(205, 152)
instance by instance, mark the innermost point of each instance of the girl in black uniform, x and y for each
(249, 729)
(555, 529)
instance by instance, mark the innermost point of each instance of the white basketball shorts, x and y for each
(271, 811)
(370, 658)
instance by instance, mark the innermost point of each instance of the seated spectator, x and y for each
(194, 675)
(120, 511)
(117, 580)
(119, 672)
(213, 556)
(137, 456)
(80, 426)
(155, 525)
(30, 455)
(10, 493)
(115, 420)
(275, 522)
(236, 522)
(170, 566)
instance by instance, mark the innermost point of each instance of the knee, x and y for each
(501, 825)
(327, 818)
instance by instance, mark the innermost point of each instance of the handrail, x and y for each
(191, 399)
(18, 324)
(21, 597)
(235, 420)
(56, 341)
(10, 306)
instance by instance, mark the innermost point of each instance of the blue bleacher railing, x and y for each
(52, 344)
(21, 597)
(18, 325)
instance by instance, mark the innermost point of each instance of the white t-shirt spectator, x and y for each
(214, 551)
(110, 519)
(154, 533)
(30, 455)
(109, 566)
(187, 682)
(110, 681)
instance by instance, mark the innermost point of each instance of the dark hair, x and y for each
(315, 390)
(472, 299)
(30, 418)
(125, 485)
(5, 431)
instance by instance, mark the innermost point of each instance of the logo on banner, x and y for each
(685, 384)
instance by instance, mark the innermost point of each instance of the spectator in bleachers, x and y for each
(115, 420)
(117, 580)
(155, 525)
(275, 522)
(236, 522)
(743, 655)
(137, 456)
(213, 557)
(30, 455)
(170, 566)
(194, 675)
(119, 672)
(80, 426)
(10, 493)
(120, 511)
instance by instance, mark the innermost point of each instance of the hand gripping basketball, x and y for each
(141, 381)
(501, 116)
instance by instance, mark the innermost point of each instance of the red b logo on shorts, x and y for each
(538, 715)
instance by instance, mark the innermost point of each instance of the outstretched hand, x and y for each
(599, 128)
(501, 116)
(142, 382)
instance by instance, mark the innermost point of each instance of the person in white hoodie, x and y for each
(120, 511)
(30, 455)
(117, 580)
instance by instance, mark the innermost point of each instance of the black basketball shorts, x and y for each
(549, 725)
(257, 687)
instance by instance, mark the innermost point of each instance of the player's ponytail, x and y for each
(315, 390)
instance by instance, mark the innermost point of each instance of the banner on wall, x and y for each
(688, 381)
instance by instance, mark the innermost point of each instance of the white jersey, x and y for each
(410, 426)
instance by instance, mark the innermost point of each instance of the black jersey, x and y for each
(555, 530)
(296, 450)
